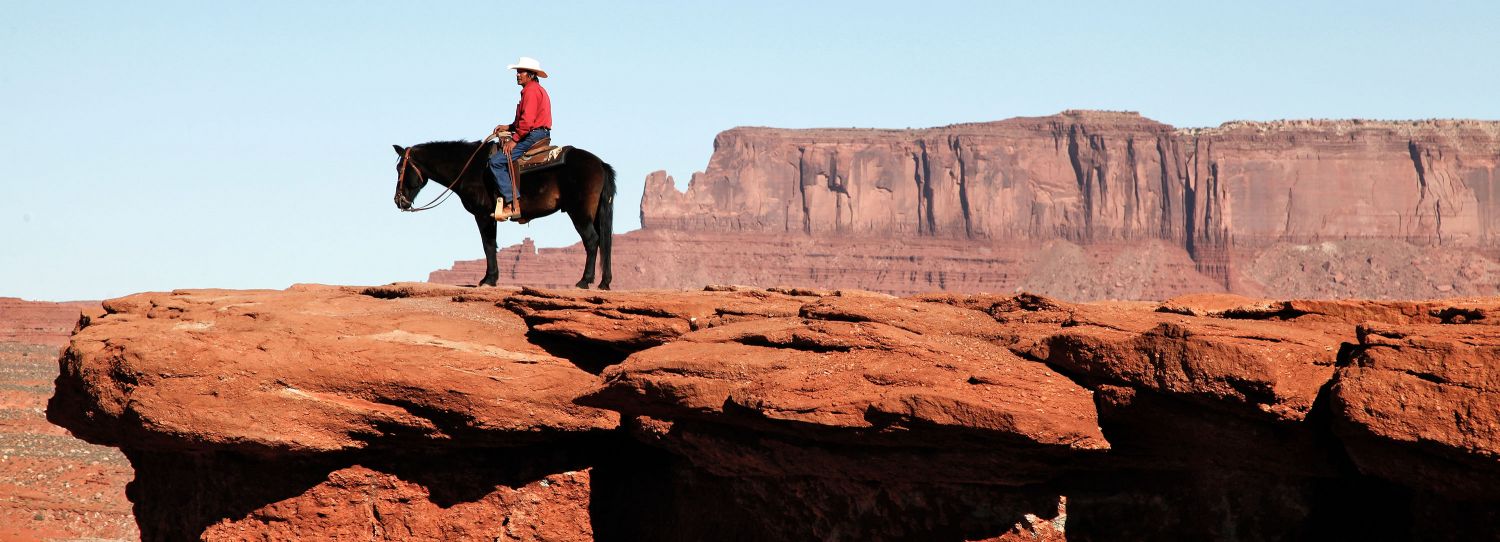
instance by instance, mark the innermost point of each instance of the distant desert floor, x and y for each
(53, 486)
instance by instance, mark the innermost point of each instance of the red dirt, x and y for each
(53, 486)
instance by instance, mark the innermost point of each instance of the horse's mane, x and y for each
(446, 147)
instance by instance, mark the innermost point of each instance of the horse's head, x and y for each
(409, 178)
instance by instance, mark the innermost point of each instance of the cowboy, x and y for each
(533, 123)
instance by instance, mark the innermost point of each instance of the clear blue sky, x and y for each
(160, 145)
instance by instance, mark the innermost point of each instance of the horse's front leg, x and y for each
(487, 236)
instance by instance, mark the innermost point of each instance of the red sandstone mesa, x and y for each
(1091, 175)
(420, 412)
(1083, 205)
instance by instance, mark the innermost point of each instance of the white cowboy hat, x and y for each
(529, 64)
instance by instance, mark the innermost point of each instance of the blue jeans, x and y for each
(497, 162)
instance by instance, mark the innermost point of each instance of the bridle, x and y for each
(457, 180)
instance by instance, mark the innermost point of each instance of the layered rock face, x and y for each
(418, 411)
(1101, 176)
(1321, 209)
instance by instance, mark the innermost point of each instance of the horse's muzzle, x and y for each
(402, 203)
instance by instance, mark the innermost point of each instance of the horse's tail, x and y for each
(604, 221)
(604, 217)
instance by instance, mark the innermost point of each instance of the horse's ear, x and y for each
(399, 150)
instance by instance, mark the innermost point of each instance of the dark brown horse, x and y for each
(582, 186)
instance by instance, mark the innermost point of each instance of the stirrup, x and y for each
(501, 215)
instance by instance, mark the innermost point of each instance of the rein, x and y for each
(447, 192)
(515, 176)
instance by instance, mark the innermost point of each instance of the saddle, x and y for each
(540, 156)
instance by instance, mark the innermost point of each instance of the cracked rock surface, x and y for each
(421, 411)
(314, 369)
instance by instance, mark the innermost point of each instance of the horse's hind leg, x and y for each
(590, 237)
(604, 250)
(604, 226)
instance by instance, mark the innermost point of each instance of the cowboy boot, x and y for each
(503, 211)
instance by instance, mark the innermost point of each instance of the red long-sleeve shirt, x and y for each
(534, 111)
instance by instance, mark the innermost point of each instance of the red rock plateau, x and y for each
(424, 412)
(1083, 205)
(52, 486)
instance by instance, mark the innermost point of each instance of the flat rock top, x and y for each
(859, 366)
(316, 369)
(1015, 379)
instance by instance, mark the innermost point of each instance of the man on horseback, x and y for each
(533, 123)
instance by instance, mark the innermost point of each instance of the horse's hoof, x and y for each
(582, 285)
(604, 286)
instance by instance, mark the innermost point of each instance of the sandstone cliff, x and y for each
(1323, 209)
(422, 412)
(1095, 176)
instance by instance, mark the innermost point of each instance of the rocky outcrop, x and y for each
(416, 411)
(1414, 404)
(247, 411)
(1080, 205)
